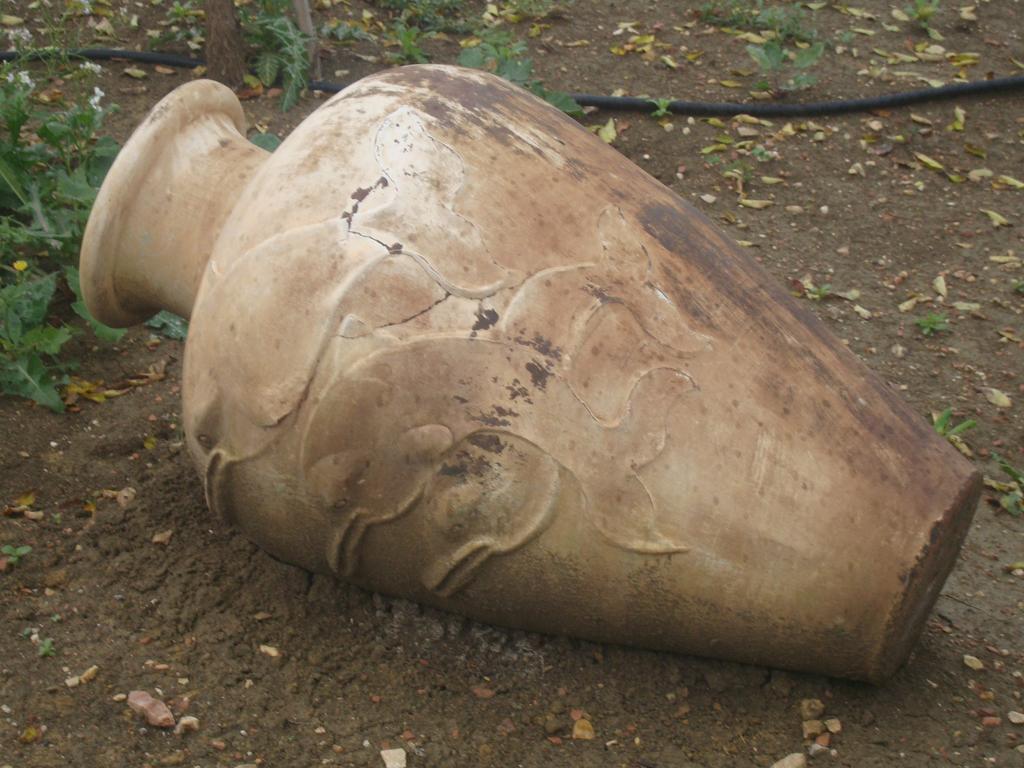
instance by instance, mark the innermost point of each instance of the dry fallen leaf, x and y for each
(997, 219)
(997, 397)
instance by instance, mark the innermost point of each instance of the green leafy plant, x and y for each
(168, 324)
(429, 15)
(29, 346)
(14, 554)
(52, 161)
(343, 32)
(932, 323)
(783, 22)
(500, 53)
(661, 107)
(1012, 493)
(282, 48)
(943, 424)
(923, 11)
(182, 23)
(782, 69)
(46, 648)
(407, 39)
(1018, 286)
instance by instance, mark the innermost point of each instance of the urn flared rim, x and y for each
(102, 257)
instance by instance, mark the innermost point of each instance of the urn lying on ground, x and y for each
(447, 344)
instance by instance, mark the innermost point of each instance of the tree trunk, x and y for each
(225, 49)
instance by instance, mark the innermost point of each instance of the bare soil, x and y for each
(282, 668)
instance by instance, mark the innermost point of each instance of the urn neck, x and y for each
(161, 208)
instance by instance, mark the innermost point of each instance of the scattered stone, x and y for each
(973, 662)
(187, 724)
(393, 758)
(833, 725)
(55, 578)
(155, 711)
(270, 651)
(125, 497)
(582, 729)
(119, 697)
(811, 709)
(796, 760)
(483, 693)
(991, 721)
(89, 674)
(813, 728)
(164, 537)
(1017, 718)
(817, 750)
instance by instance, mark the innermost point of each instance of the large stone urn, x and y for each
(448, 345)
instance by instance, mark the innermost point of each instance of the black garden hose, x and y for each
(994, 86)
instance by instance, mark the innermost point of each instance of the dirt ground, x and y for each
(131, 574)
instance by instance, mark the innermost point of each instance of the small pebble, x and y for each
(812, 728)
(811, 709)
(582, 729)
(155, 711)
(1017, 718)
(393, 758)
(795, 760)
(973, 662)
(187, 724)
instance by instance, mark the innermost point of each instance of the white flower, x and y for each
(19, 35)
(21, 77)
(94, 100)
(91, 66)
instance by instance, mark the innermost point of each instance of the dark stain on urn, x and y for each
(487, 441)
(485, 319)
(542, 345)
(685, 234)
(361, 193)
(539, 375)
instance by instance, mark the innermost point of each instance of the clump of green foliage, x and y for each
(932, 324)
(281, 47)
(13, 554)
(661, 107)
(784, 22)
(1012, 493)
(782, 69)
(923, 11)
(407, 39)
(429, 15)
(499, 52)
(182, 23)
(943, 424)
(52, 162)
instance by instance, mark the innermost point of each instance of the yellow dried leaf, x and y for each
(26, 499)
(997, 219)
(997, 397)
(929, 162)
(607, 132)
(756, 204)
(1009, 181)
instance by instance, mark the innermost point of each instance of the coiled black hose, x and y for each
(995, 86)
